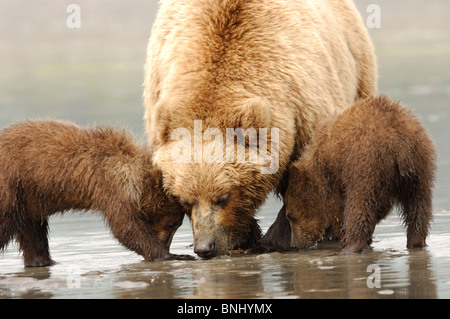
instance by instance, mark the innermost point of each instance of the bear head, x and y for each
(162, 212)
(221, 168)
(304, 207)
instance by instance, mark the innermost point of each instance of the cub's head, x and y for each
(304, 207)
(162, 212)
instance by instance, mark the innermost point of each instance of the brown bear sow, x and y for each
(50, 166)
(357, 166)
(217, 66)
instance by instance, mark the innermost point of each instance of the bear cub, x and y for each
(357, 167)
(49, 167)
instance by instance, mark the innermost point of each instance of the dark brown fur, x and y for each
(357, 167)
(277, 237)
(49, 167)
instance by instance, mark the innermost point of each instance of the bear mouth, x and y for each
(303, 242)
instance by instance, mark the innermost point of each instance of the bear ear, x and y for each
(160, 124)
(296, 171)
(255, 113)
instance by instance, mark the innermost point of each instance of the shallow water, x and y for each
(94, 75)
(92, 265)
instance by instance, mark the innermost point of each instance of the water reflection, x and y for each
(316, 274)
(31, 283)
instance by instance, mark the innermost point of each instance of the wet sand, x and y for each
(91, 264)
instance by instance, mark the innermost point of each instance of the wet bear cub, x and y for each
(357, 167)
(49, 167)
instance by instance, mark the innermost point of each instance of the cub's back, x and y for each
(377, 123)
(372, 135)
(34, 139)
(51, 152)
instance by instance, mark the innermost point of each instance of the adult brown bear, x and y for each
(269, 67)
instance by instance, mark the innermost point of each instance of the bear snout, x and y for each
(301, 241)
(206, 249)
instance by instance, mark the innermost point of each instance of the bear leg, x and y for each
(417, 215)
(360, 219)
(33, 242)
(278, 236)
(7, 230)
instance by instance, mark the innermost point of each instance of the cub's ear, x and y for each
(254, 113)
(156, 176)
(296, 172)
(152, 193)
(295, 167)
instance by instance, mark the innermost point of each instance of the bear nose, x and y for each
(206, 250)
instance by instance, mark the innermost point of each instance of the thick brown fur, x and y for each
(358, 166)
(247, 64)
(49, 167)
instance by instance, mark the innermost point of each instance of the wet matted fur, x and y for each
(49, 167)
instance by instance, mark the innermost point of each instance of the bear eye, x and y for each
(171, 226)
(223, 200)
(290, 217)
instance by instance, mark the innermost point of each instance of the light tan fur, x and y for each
(250, 64)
